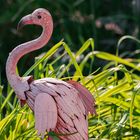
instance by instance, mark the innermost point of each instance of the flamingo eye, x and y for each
(39, 17)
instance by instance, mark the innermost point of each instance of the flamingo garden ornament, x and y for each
(60, 107)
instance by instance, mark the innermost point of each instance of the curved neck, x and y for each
(25, 48)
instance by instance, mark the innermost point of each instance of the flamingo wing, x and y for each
(45, 113)
(85, 95)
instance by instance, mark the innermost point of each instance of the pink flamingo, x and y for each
(61, 107)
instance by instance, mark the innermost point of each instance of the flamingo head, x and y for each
(39, 17)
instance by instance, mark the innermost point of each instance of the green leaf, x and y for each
(111, 57)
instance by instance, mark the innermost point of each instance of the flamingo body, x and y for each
(48, 97)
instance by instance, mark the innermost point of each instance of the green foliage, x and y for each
(116, 88)
(74, 20)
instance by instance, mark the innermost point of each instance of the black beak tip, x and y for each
(20, 25)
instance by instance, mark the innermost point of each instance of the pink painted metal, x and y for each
(61, 107)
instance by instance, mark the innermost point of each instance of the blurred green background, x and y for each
(75, 21)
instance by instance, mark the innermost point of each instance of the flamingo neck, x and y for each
(14, 79)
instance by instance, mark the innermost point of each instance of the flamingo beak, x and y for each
(25, 21)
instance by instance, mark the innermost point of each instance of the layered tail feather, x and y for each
(86, 96)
